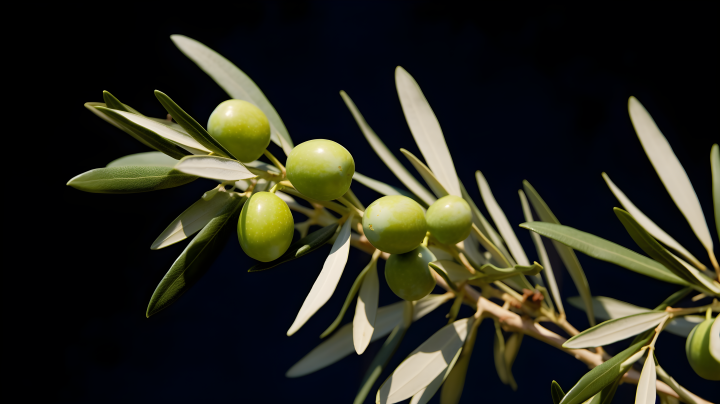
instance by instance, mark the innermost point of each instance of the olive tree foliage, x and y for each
(488, 271)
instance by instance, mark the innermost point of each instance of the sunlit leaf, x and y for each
(427, 175)
(605, 250)
(604, 374)
(383, 188)
(424, 364)
(350, 296)
(499, 356)
(386, 352)
(192, 220)
(365, 310)
(340, 344)
(197, 257)
(648, 224)
(129, 179)
(670, 171)
(191, 126)
(646, 386)
(567, 255)
(616, 330)
(235, 82)
(556, 392)
(328, 279)
(453, 387)
(542, 254)
(426, 130)
(440, 271)
(213, 167)
(424, 395)
(485, 227)
(156, 159)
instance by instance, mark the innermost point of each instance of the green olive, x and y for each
(320, 169)
(697, 349)
(408, 275)
(265, 228)
(449, 219)
(241, 127)
(394, 224)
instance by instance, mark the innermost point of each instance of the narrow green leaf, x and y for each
(424, 395)
(386, 155)
(197, 258)
(112, 102)
(455, 382)
(655, 250)
(384, 188)
(670, 171)
(646, 385)
(141, 134)
(715, 168)
(606, 395)
(304, 246)
(192, 127)
(556, 392)
(426, 130)
(156, 159)
(236, 83)
(648, 224)
(386, 352)
(327, 281)
(684, 394)
(440, 271)
(602, 375)
(616, 330)
(605, 250)
(491, 273)
(366, 309)
(484, 226)
(567, 255)
(425, 172)
(214, 167)
(129, 179)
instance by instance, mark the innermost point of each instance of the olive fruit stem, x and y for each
(425, 240)
(276, 187)
(276, 163)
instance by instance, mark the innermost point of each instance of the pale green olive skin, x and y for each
(697, 349)
(408, 275)
(449, 219)
(242, 128)
(320, 169)
(265, 227)
(394, 224)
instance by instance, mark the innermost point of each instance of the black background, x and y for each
(536, 93)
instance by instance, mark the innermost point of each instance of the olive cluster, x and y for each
(322, 170)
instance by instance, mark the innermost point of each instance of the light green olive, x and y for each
(241, 127)
(449, 219)
(265, 228)
(320, 169)
(394, 224)
(408, 275)
(697, 349)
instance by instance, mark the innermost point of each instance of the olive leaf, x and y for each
(427, 175)
(145, 136)
(715, 168)
(670, 171)
(616, 329)
(340, 344)
(645, 393)
(425, 363)
(605, 250)
(192, 127)
(606, 308)
(426, 130)
(304, 246)
(567, 255)
(366, 309)
(491, 273)
(197, 257)
(384, 188)
(655, 250)
(424, 395)
(453, 387)
(604, 374)
(348, 299)
(386, 155)
(214, 167)
(192, 220)
(386, 352)
(129, 179)
(483, 225)
(153, 129)
(236, 83)
(328, 279)
(156, 159)
(440, 271)
(454, 271)
(556, 392)
(542, 254)
(648, 224)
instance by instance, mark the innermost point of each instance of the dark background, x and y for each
(535, 93)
